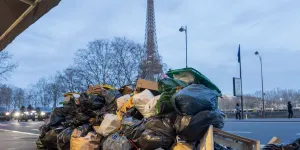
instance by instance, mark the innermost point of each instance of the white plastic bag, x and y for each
(140, 100)
(185, 76)
(122, 100)
(150, 107)
(110, 124)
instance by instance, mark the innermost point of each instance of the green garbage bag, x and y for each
(164, 104)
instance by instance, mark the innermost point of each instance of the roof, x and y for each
(17, 15)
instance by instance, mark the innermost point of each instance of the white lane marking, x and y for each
(19, 132)
(241, 132)
(35, 129)
(298, 134)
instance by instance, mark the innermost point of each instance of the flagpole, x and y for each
(242, 102)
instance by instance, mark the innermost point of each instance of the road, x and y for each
(264, 131)
(19, 136)
(23, 135)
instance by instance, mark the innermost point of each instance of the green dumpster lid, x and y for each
(198, 76)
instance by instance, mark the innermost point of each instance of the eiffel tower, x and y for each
(151, 65)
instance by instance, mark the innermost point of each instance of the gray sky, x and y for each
(215, 28)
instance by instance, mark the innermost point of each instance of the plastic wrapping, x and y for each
(110, 124)
(116, 142)
(196, 128)
(187, 77)
(122, 100)
(167, 84)
(193, 99)
(140, 100)
(63, 139)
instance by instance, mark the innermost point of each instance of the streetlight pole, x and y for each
(185, 30)
(262, 83)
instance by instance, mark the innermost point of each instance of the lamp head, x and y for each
(256, 53)
(182, 29)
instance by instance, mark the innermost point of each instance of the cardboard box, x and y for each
(146, 84)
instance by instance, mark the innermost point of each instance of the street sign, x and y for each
(237, 86)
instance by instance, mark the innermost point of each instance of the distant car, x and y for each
(15, 114)
(4, 114)
(43, 113)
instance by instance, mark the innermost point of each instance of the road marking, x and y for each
(241, 132)
(298, 134)
(35, 129)
(19, 132)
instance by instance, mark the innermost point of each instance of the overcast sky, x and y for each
(215, 28)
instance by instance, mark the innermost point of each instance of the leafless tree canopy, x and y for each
(276, 99)
(6, 65)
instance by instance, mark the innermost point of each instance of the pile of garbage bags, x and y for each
(292, 146)
(110, 119)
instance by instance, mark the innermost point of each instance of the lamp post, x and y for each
(262, 83)
(185, 30)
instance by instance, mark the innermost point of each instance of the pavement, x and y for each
(17, 136)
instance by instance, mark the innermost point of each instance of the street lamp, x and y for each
(185, 30)
(262, 83)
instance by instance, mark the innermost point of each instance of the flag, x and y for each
(239, 54)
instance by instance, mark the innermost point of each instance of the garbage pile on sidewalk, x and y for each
(174, 116)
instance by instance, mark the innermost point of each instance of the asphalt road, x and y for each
(264, 131)
(23, 135)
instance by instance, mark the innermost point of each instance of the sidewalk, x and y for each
(264, 120)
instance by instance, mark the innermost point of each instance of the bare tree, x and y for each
(6, 65)
(6, 95)
(18, 97)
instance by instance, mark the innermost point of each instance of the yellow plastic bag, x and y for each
(182, 146)
(90, 142)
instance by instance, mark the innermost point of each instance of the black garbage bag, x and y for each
(220, 147)
(63, 139)
(194, 128)
(56, 119)
(159, 133)
(273, 147)
(61, 111)
(50, 139)
(91, 101)
(39, 144)
(193, 99)
(293, 146)
(79, 119)
(134, 113)
(167, 84)
(150, 140)
(43, 130)
(133, 131)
